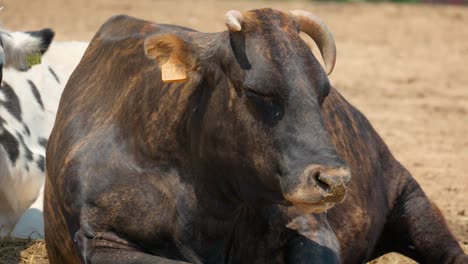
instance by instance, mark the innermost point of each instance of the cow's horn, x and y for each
(233, 20)
(313, 26)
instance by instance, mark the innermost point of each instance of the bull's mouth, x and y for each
(316, 208)
(314, 202)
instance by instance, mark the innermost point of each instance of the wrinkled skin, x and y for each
(206, 171)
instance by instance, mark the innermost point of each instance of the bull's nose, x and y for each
(318, 187)
(331, 180)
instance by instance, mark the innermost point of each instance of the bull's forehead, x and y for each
(268, 21)
(276, 54)
(272, 39)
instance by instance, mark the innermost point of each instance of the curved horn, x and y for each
(313, 26)
(233, 20)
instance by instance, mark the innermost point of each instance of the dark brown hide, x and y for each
(144, 172)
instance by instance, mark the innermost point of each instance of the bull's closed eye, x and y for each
(251, 91)
(264, 107)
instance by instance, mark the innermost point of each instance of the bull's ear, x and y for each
(173, 55)
(24, 49)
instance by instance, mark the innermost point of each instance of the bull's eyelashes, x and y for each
(254, 92)
(264, 107)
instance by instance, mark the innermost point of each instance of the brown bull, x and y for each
(175, 146)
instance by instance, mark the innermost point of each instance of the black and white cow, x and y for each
(29, 97)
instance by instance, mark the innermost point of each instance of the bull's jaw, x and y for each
(316, 208)
(312, 200)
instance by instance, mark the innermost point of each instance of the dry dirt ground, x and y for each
(404, 66)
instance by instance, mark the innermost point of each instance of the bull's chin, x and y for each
(315, 208)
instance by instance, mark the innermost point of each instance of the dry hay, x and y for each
(22, 251)
(27, 251)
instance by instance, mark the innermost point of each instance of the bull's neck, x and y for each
(162, 113)
(165, 110)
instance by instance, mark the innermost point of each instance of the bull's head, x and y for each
(255, 123)
(21, 50)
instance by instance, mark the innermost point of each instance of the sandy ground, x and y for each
(404, 66)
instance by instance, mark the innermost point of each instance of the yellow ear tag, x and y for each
(173, 71)
(33, 59)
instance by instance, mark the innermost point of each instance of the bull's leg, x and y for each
(106, 248)
(112, 256)
(315, 242)
(417, 229)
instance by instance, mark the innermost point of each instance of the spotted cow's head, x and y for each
(17, 49)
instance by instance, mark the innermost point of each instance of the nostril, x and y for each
(320, 182)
